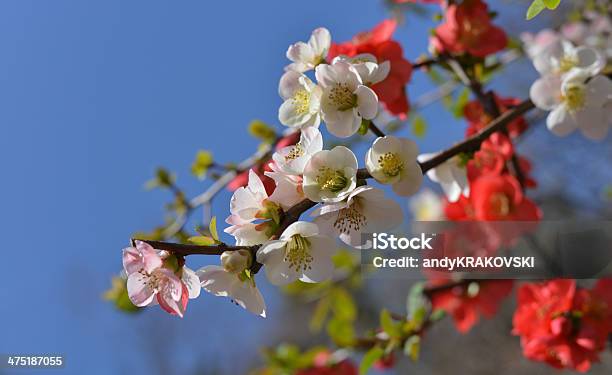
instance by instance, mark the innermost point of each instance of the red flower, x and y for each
(563, 325)
(460, 210)
(386, 362)
(468, 28)
(492, 157)
(465, 303)
(391, 92)
(497, 198)
(322, 366)
(478, 119)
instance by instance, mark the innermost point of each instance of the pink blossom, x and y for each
(149, 282)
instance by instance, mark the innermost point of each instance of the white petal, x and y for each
(320, 41)
(367, 102)
(139, 291)
(545, 92)
(592, 122)
(598, 91)
(289, 84)
(300, 52)
(560, 122)
(590, 60)
(192, 282)
(248, 297)
(278, 271)
(321, 267)
(215, 280)
(342, 124)
(288, 115)
(410, 181)
(268, 250)
(303, 228)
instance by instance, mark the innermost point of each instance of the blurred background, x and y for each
(95, 95)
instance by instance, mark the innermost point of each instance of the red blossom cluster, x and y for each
(467, 28)
(562, 324)
(391, 91)
(496, 193)
(466, 302)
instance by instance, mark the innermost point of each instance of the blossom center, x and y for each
(567, 62)
(574, 97)
(296, 152)
(342, 97)
(391, 164)
(331, 180)
(297, 253)
(500, 204)
(301, 101)
(350, 219)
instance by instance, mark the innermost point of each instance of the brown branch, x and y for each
(374, 129)
(487, 100)
(294, 213)
(472, 143)
(187, 249)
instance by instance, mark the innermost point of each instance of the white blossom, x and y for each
(393, 160)
(576, 102)
(451, 175)
(233, 280)
(248, 205)
(365, 211)
(292, 159)
(330, 175)
(306, 56)
(368, 68)
(562, 58)
(302, 105)
(346, 100)
(300, 253)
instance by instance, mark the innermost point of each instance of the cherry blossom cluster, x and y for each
(345, 86)
(571, 86)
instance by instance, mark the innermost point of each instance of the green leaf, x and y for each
(417, 306)
(212, 228)
(341, 331)
(202, 162)
(363, 128)
(551, 4)
(419, 126)
(163, 178)
(263, 131)
(343, 305)
(388, 325)
(320, 313)
(412, 347)
(369, 359)
(535, 8)
(201, 240)
(460, 103)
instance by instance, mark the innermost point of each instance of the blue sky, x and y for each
(94, 96)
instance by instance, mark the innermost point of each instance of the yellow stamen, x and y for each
(342, 97)
(331, 180)
(391, 164)
(297, 253)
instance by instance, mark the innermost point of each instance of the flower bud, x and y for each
(236, 261)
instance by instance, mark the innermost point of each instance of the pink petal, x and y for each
(151, 260)
(139, 290)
